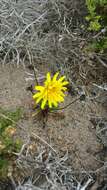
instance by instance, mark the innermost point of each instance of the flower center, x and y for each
(51, 88)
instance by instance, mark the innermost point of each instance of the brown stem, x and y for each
(67, 104)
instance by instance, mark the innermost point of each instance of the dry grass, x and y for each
(36, 30)
(47, 170)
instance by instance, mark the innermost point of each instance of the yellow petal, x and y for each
(36, 95)
(40, 88)
(65, 83)
(55, 77)
(50, 102)
(38, 99)
(62, 94)
(55, 104)
(43, 103)
(61, 79)
(54, 97)
(63, 88)
(60, 98)
(48, 77)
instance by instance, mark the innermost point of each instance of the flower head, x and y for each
(52, 92)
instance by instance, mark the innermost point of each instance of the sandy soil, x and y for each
(70, 129)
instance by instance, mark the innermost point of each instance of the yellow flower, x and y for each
(52, 92)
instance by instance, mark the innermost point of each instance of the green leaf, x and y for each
(94, 25)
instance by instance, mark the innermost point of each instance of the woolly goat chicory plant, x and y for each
(52, 92)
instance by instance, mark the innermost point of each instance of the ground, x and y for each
(69, 129)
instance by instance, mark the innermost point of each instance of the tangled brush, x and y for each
(34, 31)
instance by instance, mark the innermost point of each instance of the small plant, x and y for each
(97, 19)
(97, 14)
(8, 121)
(49, 95)
(98, 45)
